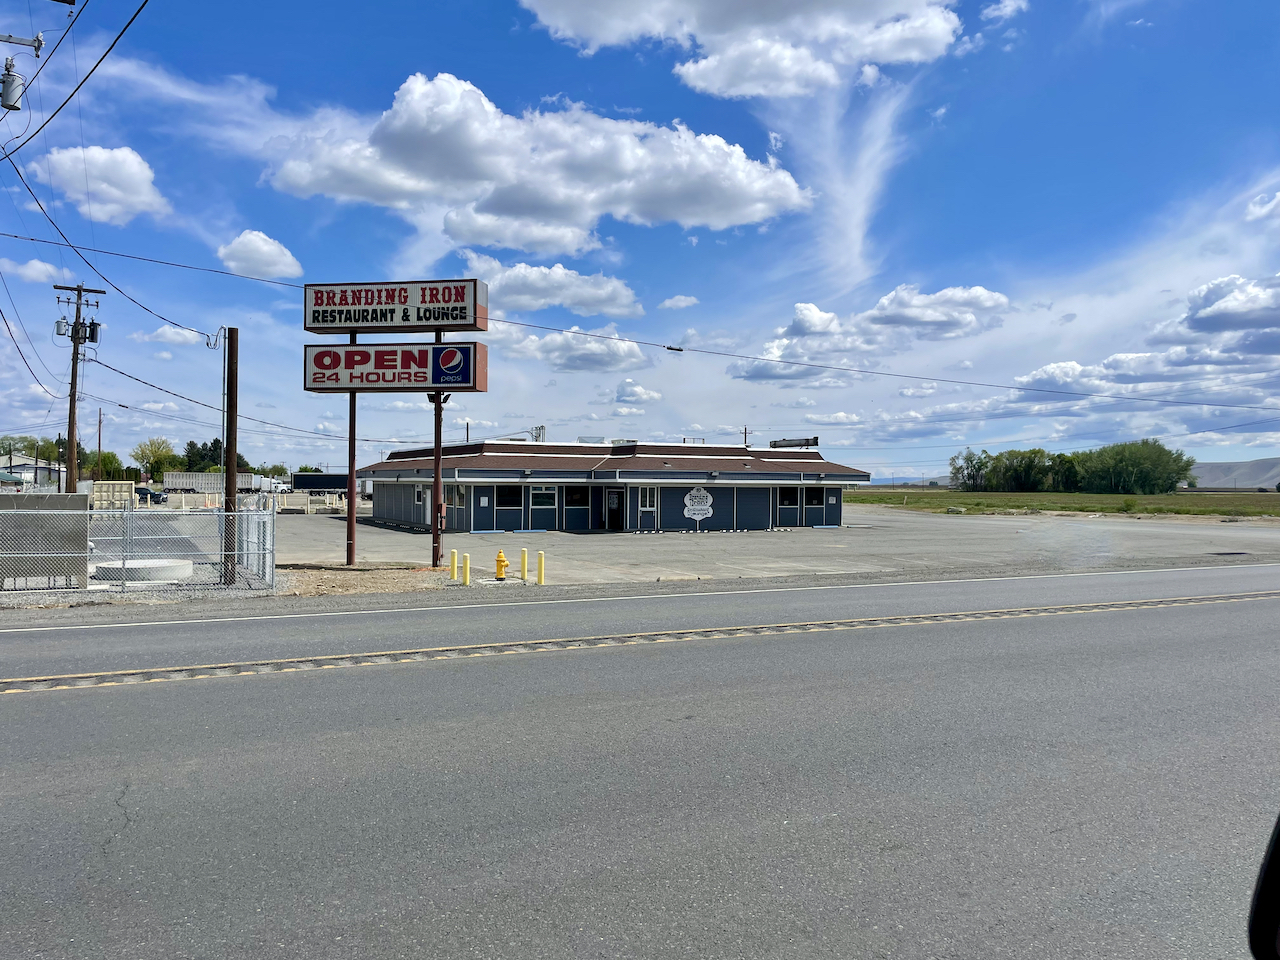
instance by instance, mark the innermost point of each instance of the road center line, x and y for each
(614, 599)
(111, 678)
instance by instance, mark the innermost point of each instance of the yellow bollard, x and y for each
(524, 563)
(542, 568)
(466, 569)
(500, 567)
(453, 564)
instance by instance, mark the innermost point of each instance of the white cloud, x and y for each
(106, 186)
(970, 44)
(940, 112)
(159, 407)
(898, 319)
(525, 287)
(36, 271)
(631, 392)
(168, 334)
(628, 412)
(166, 355)
(445, 155)
(486, 424)
(255, 254)
(831, 418)
(678, 302)
(799, 403)
(753, 49)
(567, 351)
(1262, 206)
(1004, 9)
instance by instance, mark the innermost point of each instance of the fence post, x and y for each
(126, 543)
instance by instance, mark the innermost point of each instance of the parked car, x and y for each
(147, 495)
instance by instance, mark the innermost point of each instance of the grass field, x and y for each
(1186, 502)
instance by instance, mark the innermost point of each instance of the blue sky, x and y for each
(1077, 196)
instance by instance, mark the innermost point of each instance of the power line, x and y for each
(209, 406)
(209, 338)
(24, 359)
(49, 118)
(49, 57)
(165, 263)
(660, 346)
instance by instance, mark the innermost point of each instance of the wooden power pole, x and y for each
(79, 332)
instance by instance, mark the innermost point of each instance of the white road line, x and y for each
(615, 599)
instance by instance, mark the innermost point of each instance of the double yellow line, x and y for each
(111, 678)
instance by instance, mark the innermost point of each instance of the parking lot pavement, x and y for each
(873, 540)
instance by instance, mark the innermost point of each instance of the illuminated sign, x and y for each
(408, 367)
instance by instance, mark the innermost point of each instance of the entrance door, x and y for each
(613, 509)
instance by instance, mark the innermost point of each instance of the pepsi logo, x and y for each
(451, 360)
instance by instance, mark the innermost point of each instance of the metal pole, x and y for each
(229, 449)
(437, 490)
(351, 476)
(97, 469)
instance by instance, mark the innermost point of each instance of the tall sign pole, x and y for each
(351, 475)
(231, 474)
(79, 333)
(415, 306)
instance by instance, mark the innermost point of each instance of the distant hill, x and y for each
(1247, 475)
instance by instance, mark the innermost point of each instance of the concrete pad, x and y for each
(874, 540)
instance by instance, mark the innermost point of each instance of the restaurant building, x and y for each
(618, 486)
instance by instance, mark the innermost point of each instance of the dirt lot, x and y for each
(318, 579)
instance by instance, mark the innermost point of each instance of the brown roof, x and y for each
(583, 457)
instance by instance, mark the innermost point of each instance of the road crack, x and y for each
(128, 820)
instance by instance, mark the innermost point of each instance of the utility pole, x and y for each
(57, 453)
(351, 476)
(231, 474)
(79, 332)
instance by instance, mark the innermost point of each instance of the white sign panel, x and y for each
(359, 368)
(697, 504)
(399, 307)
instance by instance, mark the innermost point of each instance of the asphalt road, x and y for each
(1083, 785)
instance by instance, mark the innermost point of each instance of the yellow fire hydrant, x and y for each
(501, 565)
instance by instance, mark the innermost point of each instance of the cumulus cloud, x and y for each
(628, 412)
(1004, 9)
(970, 44)
(35, 271)
(166, 355)
(539, 182)
(168, 334)
(159, 407)
(629, 391)
(525, 287)
(255, 254)
(762, 49)
(678, 302)
(604, 351)
(106, 186)
(898, 319)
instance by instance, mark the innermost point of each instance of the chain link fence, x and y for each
(132, 550)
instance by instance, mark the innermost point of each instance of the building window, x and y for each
(459, 496)
(788, 497)
(648, 498)
(543, 497)
(509, 497)
(577, 496)
(813, 497)
(417, 494)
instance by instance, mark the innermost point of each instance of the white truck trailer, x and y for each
(180, 482)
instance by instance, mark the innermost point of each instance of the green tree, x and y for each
(275, 470)
(968, 470)
(18, 445)
(1138, 467)
(307, 468)
(1064, 473)
(112, 467)
(1018, 471)
(153, 454)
